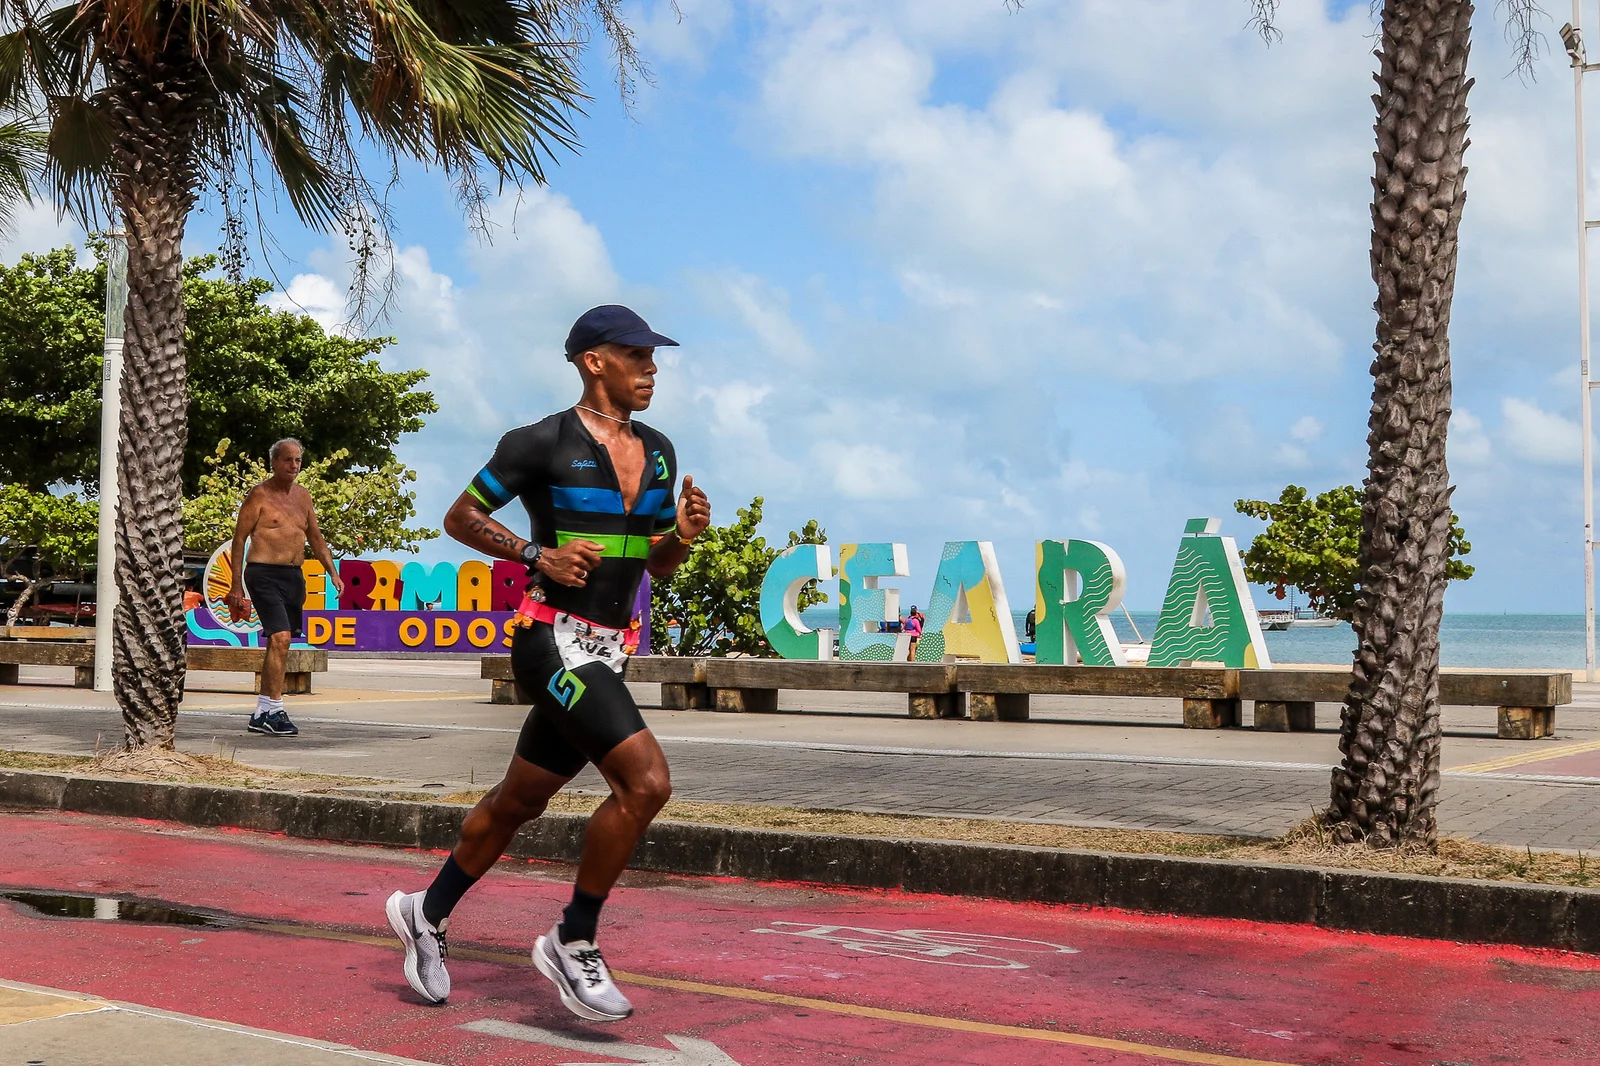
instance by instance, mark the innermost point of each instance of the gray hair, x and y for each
(272, 453)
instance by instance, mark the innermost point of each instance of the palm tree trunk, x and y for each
(1386, 787)
(155, 103)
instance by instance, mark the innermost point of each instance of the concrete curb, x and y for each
(1353, 900)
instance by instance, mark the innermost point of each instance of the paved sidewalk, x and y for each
(1101, 762)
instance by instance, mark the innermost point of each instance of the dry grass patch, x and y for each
(1307, 844)
(161, 764)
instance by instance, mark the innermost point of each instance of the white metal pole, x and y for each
(105, 596)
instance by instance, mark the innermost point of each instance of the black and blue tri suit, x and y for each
(564, 477)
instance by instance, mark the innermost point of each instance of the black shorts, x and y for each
(578, 715)
(278, 591)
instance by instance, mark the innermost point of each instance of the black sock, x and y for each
(582, 916)
(446, 891)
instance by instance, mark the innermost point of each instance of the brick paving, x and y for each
(453, 739)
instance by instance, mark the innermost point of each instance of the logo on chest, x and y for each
(585, 464)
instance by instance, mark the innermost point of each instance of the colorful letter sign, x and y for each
(863, 606)
(780, 602)
(1208, 615)
(968, 614)
(1080, 582)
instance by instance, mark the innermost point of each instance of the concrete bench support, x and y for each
(83, 677)
(1526, 723)
(747, 700)
(998, 706)
(690, 697)
(295, 683)
(10, 674)
(1210, 714)
(935, 705)
(506, 691)
(1285, 716)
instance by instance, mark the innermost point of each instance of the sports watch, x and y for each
(531, 552)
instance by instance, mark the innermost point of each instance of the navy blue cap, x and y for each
(613, 324)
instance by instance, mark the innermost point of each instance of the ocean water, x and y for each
(1552, 641)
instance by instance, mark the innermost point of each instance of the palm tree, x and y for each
(150, 102)
(1386, 787)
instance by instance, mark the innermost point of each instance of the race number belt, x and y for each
(580, 641)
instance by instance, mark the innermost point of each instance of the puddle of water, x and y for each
(105, 909)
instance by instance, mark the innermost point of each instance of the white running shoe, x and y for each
(581, 976)
(425, 946)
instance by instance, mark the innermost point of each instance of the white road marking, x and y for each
(690, 1051)
(875, 749)
(939, 946)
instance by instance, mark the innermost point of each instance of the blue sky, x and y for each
(942, 270)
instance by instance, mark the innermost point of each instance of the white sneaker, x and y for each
(582, 978)
(425, 946)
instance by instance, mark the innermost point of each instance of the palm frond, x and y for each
(22, 161)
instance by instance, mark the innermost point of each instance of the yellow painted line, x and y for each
(1523, 758)
(756, 995)
(17, 1005)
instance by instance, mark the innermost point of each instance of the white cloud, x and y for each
(1305, 430)
(1468, 443)
(1028, 214)
(315, 296)
(681, 31)
(1539, 435)
(868, 471)
(36, 227)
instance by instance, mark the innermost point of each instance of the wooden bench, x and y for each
(301, 664)
(1286, 698)
(1210, 695)
(15, 654)
(753, 684)
(46, 632)
(297, 668)
(1283, 699)
(682, 681)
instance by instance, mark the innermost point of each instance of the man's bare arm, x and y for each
(249, 514)
(319, 547)
(694, 515)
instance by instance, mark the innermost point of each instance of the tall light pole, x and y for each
(105, 594)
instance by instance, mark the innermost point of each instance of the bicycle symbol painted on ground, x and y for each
(939, 946)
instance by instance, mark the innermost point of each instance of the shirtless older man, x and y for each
(279, 520)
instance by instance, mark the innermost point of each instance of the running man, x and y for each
(279, 519)
(597, 486)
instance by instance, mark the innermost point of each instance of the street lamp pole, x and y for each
(105, 596)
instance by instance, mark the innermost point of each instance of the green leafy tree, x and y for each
(359, 511)
(43, 537)
(52, 330)
(1313, 544)
(255, 375)
(714, 598)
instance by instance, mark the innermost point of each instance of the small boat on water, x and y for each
(1294, 618)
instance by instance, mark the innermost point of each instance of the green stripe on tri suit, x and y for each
(616, 546)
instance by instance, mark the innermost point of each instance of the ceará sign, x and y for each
(1207, 615)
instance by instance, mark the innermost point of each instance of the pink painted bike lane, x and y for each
(724, 971)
